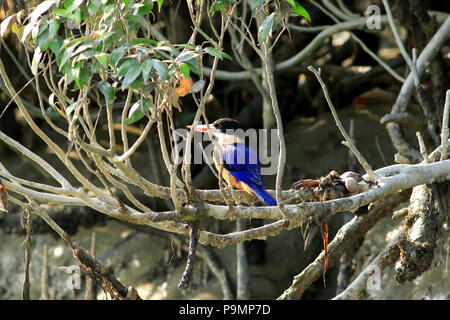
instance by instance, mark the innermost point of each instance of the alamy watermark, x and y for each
(374, 17)
(74, 279)
(263, 144)
(374, 280)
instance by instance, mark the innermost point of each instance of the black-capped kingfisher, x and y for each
(241, 166)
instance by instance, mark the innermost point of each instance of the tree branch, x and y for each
(348, 234)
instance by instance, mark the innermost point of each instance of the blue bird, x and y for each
(241, 166)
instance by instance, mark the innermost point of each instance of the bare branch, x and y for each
(444, 133)
(398, 40)
(385, 258)
(347, 138)
(406, 91)
(347, 235)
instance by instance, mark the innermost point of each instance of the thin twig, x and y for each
(243, 279)
(44, 274)
(185, 281)
(444, 132)
(348, 141)
(385, 258)
(27, 247)
(401, 103)
(398, 40)
(422, 148)
(90, 286)
(268, 73)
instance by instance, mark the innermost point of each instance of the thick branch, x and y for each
(347, 235)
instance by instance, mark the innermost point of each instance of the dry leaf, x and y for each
(334, 185)
(360, 102)
(3, 199)
(305, 184)
(198, 86)
(184, 88)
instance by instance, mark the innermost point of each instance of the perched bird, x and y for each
(241, 166)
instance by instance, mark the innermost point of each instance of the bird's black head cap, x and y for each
(227, 124)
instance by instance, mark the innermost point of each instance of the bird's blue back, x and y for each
(242, 163)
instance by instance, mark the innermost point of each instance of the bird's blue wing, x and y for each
(242, 163)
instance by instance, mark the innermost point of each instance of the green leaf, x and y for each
(143, 41)
(133, 72)
(53, 28)
(83, 47)
(115, 55)
(160, 3)
(186, 46)
(146, 68)
(64, 55)
(93, 6)
(136, 84)
(40, 10)
(67, 3)
(213, 52)
(86, 55)
(75, 5)
(69, 41)
(227, 56)
(137, 111)
(167, 49)
(55, 45)
(44, 40)
(68, 76)
(104, 36)
(298, 9)
(145, 7)
(216, 53)
(95, 67)
(219, 4)
(125, 66)
(266, 28)
(107, 90)
(186, 55)
(135, 21)
(193, 66)
(36, 59)
(102, 58)
(184, 68)
(61, 12)
(4, 25)
(160, 68)
(80, 75)
(108, 10)
(76, 71)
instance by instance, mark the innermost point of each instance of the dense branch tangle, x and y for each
(115, 171)
(154, 100)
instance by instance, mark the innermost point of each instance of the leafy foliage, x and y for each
(298, 9)
(107, 45)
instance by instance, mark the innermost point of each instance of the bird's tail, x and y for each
(262, 194)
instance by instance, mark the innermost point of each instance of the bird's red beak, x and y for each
(199, 128)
